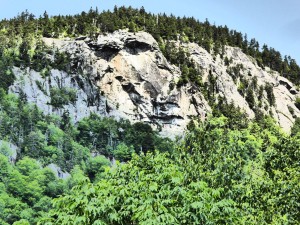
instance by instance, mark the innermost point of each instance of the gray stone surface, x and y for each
(12, 150)
(125, 75)
(58, 172)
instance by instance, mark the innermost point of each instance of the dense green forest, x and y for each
(223, 172)
(84, 149)
(216, 176)
(226, 170)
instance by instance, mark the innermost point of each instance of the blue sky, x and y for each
(274, 22)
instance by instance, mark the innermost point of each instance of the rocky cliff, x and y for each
(125, 75)
(239, 73)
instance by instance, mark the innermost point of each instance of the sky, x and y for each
(273, 22)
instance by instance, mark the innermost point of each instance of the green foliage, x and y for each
(7, 77)
(270, 94)
(240, 161)
(181, 58)
(226, 171)
(141, 137)
(291, 110)
(27, 50)
(103, 135)
(5, 149)
(21, 222)
(216, 176)
(297, 102)
(248, 91)
(123, 152)
(25, 191)
(151, 189)
(34, 144)
(57, 140)
(237, 119)
(62, 96)
(95, 166)
(235, 71)
(250, 98)
(296, 127)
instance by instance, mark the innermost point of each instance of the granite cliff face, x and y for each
(125, 75)
(231, 82)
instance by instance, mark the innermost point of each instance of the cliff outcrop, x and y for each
(125, 75)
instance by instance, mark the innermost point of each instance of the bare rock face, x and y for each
(231, 86)
(10, 150)
(122, 75)
(135, 78)
(137, 85)
(39, 90)
(125, 75)
(58, 171)
(284, 110)
(225, 86)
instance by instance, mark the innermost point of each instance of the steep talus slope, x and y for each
(125, 75)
